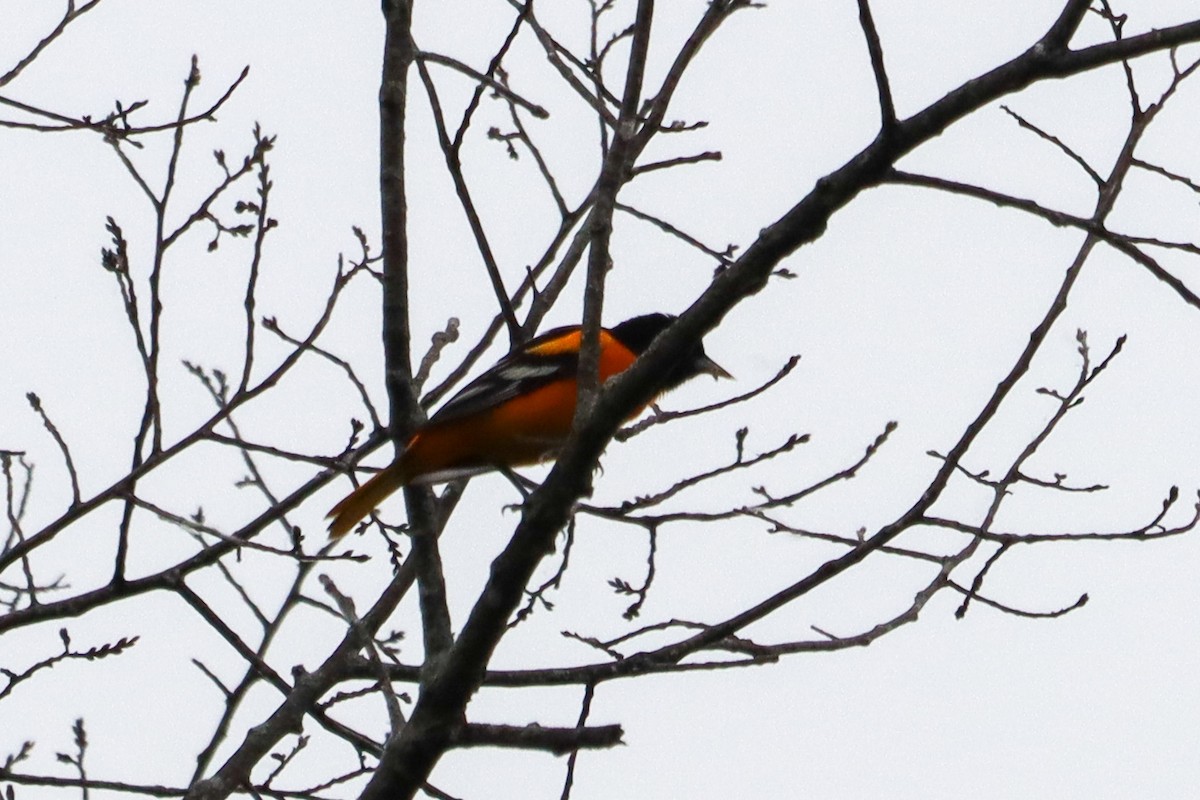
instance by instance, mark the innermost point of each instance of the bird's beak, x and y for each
(707, 366)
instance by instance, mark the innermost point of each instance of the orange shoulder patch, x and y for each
(568, 342)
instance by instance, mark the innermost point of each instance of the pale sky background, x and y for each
(910, 308)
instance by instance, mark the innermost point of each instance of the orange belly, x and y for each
(521, 431)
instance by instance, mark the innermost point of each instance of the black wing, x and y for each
(536, 364)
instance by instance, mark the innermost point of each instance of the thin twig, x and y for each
(36, 403)
(887, 109)
(493, 84)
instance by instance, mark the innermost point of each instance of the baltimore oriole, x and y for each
(518, 412)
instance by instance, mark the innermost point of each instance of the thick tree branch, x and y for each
(559, 741)
(399, 52)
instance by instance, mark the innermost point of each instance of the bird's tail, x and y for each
(363, 500)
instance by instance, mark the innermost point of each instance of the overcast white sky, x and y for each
(910, 308)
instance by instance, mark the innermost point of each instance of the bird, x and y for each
(518, 412)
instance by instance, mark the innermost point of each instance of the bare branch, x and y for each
(71, 14)
(887, 109)
(1115, 240)
(36, 403)
(559, 741)
(1054, 140)
(454, 166)
(659, 417)
(493, 84)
